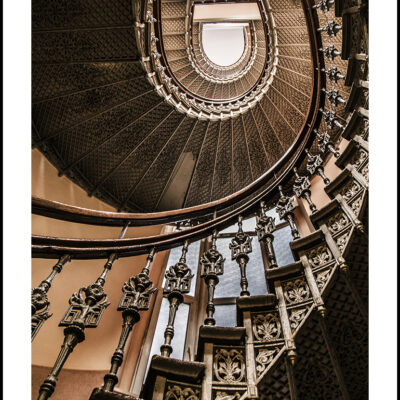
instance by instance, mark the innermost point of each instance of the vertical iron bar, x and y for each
(40, 303)
(212, 265)
(137, 293)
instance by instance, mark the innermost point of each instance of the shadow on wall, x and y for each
(72, 384)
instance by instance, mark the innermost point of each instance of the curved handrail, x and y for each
(50, 247)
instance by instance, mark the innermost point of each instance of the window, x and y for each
(282, 238)
(228, 287)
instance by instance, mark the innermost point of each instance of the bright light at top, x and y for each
(223, 43)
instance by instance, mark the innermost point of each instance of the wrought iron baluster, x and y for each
(330, 118)
(315, 166)
(40, 303)
(333, 74)
(285, 208)
(137, 293)
(325, 144)
(334, 97)
(85, 311)
(301, 189)
(178, 281)
(324, 5)
(265, 228)
(241, 246)
(331, 28)
(330, 52)
(212, 265)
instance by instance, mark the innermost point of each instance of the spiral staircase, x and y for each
(123, 90)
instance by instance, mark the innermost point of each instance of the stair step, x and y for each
(171, 368)
(100, 394)
(218, 335)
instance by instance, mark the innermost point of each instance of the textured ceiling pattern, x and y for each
(100, 122)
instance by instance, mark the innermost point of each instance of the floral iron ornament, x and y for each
(212, 265)
(137, 293)
(325, 143)
(330, 118)
(301, 189)
(178, 281)
(241, 246)
(324, 5)
(229, 365)
(315, 166)
(40, 302)
(333, 74)
(285, 210)
(85, 310)
(265, 227)
(334, 97)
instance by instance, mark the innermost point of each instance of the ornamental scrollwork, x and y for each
(365, 171)
(350, 190)
(356, 205)
(264, 358)
(301, 184)
(342, 240)
(175, 392)
(266, 327)
(226, 396)
(358, 158)
(86, 306)
(322, 279)
(319, 256)
(229, 365)
(136, 293)
(296, 317)
(337, 222)
(296, 291)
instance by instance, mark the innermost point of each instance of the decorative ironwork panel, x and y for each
(266, 327)
(319, 256)
(229, 365)
(296, 291)
(180, 391)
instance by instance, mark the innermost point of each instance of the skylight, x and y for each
(223, 42)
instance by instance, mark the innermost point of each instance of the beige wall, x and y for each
(95, 352)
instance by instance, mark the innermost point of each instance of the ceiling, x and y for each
(100, 122)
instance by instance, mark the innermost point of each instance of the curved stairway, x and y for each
(100, 121)
(307, 338)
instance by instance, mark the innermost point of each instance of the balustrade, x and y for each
(330, 52)
(265, 228)
(315, 166)
(324, 5)
(285, 209)
(212, 265)
(301, 189)
(330, 118)
(40, 302)
(331, 28)
(333, 74)
(137, 293)
(88, 304)
(178, 281)
(240, 247)
(334, 97)
(85, 311)
(325, 144)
